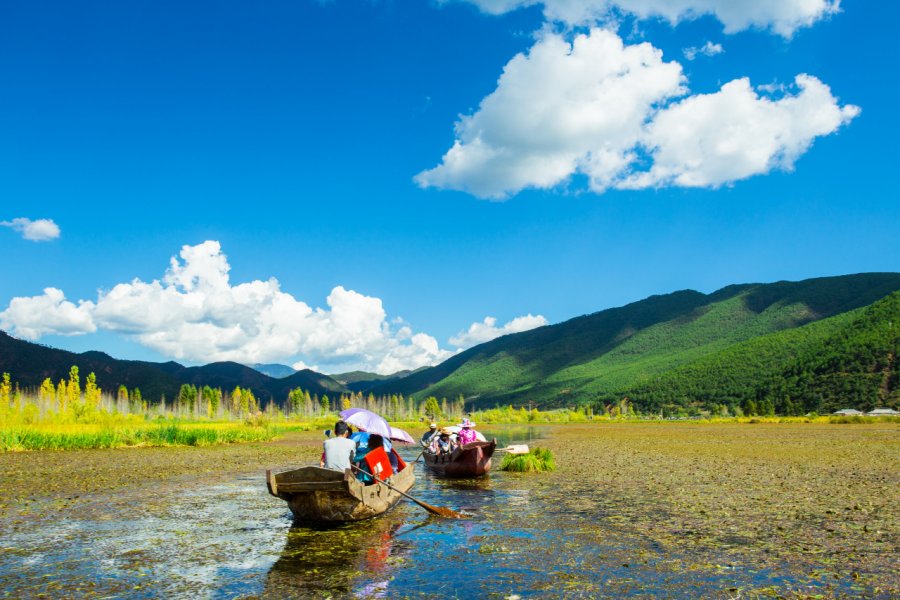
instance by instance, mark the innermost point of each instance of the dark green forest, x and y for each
(787, 348)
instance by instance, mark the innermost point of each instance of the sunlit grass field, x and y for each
(88, 435)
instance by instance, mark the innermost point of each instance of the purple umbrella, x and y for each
(400, 436)
(366, 420)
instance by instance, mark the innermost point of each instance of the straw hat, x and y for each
(446, 431)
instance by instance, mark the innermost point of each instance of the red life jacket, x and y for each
(378, 463)
(401, 464)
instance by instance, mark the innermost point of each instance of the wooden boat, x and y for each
(471, 460)
(324, 495)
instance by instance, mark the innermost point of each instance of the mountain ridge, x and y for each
(602, 356)
(665, 350)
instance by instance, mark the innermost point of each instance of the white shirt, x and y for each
(339, 452)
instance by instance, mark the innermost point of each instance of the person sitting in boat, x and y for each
(339, 450)
(428, 436)
(443, 443)
(467, 434)
(376, 464)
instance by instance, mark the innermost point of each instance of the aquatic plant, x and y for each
(538, 460)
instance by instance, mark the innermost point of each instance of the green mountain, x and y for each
(358, 381)
(677, 350)
(29, 364)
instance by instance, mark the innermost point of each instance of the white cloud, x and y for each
(707, 49)
(39, 230)
(600, 108)
(300, 366)
(560, 109)
(485, 331)
(783, 17)
(47, 314)
(423, 350)
(195, 313)
(709, 140)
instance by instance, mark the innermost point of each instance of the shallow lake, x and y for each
(525, 537)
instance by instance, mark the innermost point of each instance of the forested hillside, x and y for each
(687, 350)
(30, 364)
(845, 361)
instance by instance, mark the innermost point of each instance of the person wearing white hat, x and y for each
(429, 435)
(467, 434)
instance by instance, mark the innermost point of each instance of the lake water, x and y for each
(525, 538)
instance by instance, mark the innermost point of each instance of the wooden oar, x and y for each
(435, 510)
(515, 449)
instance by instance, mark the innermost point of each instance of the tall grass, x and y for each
(536, 461)
(80, 436)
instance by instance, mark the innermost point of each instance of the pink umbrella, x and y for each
(400, 436)
(366, 420)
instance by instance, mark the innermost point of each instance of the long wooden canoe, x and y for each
(471, 460)
(323, 495)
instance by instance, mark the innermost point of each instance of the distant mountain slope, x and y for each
(29, 364)
(274, 370)
(361, 381)
(604, 355)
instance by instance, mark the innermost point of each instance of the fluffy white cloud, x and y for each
(781, 16)
(195, 313)
(39, 230)
(47, 314)
(485, 331)
(709, 140)
(707, 49)
(560, 109)
(600, 108)
(423, 350)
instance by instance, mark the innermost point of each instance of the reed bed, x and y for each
(80, 436)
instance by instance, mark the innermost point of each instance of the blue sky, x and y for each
(290, 134)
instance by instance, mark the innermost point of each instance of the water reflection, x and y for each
(352, 558)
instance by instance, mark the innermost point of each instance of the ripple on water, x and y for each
(527, 537)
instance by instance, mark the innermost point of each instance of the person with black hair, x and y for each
(340, 449)
(376, 464)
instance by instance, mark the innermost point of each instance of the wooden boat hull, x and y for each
(321, 495)
(471, 460)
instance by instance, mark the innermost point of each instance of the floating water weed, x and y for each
(538, 460)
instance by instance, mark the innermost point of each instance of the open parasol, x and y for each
(366, 420)
(400, 436)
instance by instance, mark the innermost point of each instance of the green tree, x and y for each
(187, 395)
(432, 408)
(73, 387)
(47, 391)
(5, 390)
(91, 392)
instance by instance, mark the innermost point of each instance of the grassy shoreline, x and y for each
(135, 433)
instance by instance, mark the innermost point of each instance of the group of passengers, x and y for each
(369, 455)
(446, 440)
